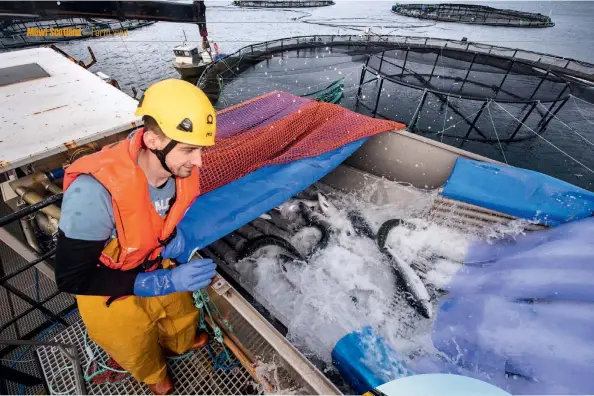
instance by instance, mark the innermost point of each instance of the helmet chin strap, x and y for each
(161, 154)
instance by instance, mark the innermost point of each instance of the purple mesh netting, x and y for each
(258, 113)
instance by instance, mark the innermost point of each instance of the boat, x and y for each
(190, 61)
(66, 97)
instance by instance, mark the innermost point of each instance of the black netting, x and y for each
(469, 75)
(475, 14)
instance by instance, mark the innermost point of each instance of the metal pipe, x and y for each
(413, 121)
(552, 105)
(468, 71)
(539, 84)
(68, 350)
(29, 180)
(544, 126)
(29, 232)
(47, 225)
(511, 63)
(381, 62)
(377, 99)
(362, 77)
(35, 304)
(31, 197)
(405, 59)
(51, 187)
(523, 121)
(475, 120)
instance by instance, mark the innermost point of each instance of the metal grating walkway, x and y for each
(191, 375)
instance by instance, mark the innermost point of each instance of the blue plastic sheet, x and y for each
(518, 192)
(365, 360)
(221, 211)
(520, 313)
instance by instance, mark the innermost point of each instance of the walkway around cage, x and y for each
(233, 64)
(282, 3)
(473, 14)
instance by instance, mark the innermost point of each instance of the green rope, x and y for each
(203, 303)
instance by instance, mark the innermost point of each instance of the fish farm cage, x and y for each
(283, 3)
(25, 32)
(474, 14)
(466, 88)
(459, 89)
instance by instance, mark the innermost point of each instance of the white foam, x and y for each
(350, 283)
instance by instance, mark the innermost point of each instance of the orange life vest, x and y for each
(140, 229)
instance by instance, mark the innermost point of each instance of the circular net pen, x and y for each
(282, 3)
(474, 14)
(460, 94)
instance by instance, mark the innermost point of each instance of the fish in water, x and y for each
(411, 281)
(334, 215)
(252, 245)
(315, 221)
(360, 225)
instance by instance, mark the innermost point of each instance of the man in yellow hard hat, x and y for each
(117, 234)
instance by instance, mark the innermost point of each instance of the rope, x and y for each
(540, 136)
(131, 58)
(93, 356)
(445, 116)
(580, 110)
(223, 360)
(51, 382)
(220, 360)
(570, 128)
(585, 101)
(495, 129)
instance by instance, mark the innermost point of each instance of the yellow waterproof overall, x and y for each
(133, 330)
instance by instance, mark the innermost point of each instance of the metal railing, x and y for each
(68, 350)
(24, 33)
(283, 3)
(473, 14)
(33, 259)
(232, 63)
(412, 75)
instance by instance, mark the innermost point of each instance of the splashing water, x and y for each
(350, 283)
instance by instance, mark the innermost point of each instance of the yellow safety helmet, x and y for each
(184, 113)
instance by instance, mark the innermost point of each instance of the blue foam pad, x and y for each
(518, 192)
(365, 360)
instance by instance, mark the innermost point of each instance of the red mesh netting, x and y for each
(310, 129)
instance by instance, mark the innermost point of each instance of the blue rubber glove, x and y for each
(175, 247)
(192, 276)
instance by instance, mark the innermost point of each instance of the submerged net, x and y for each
(278, 128)
(470, 75)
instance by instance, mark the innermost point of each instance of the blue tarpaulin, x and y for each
(518, 192)
(221, 211)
